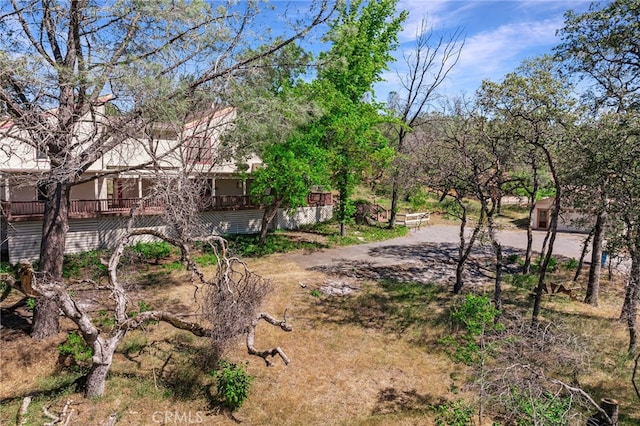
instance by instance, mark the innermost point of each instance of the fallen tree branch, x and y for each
(62, 419)
(574, 389)
(22, 412)
(269, 352)
(167, 317)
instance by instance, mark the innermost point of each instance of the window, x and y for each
(199, 150)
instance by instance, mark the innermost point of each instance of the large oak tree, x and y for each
(162, 60)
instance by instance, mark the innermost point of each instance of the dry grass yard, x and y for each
(372, 357)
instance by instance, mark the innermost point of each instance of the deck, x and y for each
(18, 211)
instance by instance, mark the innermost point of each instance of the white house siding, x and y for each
(111, 229)
(82, 235)
(23, 238)
(233, 222)
(303, 216)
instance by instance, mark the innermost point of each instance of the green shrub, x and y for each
(233, 384)
(419, 199)
(513, 258)
(104, 319)
(88, 263)
(547, 409)
(206, 259)
(456, 413)
(77, 348)
(571, 264)
(31, 304)
(537, 263)
(153, 252)
(526, 281)
(475, 316)
(6, 268)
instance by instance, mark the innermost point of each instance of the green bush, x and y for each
(526, 281)
(153, 252)
(233, 384)
(31, 304)
(537, 263)
(77, 348)
(475, 316)
(104, 319)
(548, 409)
(419, 200)
(88, 262)
(571, 264)
(456, 413)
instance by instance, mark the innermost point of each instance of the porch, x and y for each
(17, 211)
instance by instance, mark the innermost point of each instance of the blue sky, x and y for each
(499, 35)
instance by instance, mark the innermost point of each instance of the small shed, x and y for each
(571, 220)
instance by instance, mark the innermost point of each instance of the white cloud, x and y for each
(489, 52)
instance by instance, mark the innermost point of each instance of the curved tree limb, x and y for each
(269, 352)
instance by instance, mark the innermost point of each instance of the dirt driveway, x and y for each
(427, 254)
(412, 247)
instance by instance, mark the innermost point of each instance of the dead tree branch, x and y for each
(269, 352)
(573, 390)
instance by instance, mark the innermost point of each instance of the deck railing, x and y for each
(25, 210)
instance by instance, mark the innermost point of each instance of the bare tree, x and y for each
(450, 169)
(228, 305)
(539, 108)
(162, 61)
(428, 64)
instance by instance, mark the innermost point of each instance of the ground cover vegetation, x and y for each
(399, 351)
(509, 348)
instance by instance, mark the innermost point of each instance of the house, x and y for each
(125, 176)
(570, 220)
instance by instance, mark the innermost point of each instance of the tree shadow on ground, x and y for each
(15, 321)
(394, 307)
(425, 263)
(391, 400)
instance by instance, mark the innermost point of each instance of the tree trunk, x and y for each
(54, 234)
(270, 212)
(461, 246)
(583, 254)
(533, 195)
(593, 286)
(96, 379)
(551, 238)
(46, 322)
(342, 210)
(394, 201)
(497, 248)
(457, 287)
(526, 268)
(103, 350)
(464, 247)
(631, 301)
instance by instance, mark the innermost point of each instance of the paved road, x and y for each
(408, 249)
